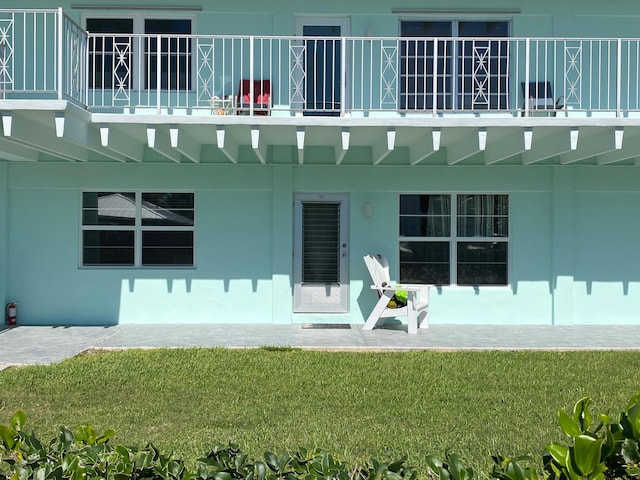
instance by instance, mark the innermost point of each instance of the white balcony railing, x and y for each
(44, 54)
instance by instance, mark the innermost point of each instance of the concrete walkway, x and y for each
(44, 345)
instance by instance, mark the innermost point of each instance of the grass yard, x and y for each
(356, 405)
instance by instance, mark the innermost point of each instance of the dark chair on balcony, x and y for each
(540, 99)
(261, 100)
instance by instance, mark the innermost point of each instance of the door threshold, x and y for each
(325, 326)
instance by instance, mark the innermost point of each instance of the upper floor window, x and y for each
(124, 53)
(454, 239)
(137, 229)
(461, 70)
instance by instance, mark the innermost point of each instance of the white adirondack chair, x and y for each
(417, 305)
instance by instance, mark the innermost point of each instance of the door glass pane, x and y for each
(110, 54)
(483, 66)
(322, 72)
(175, 53)
(418, 67)
(483, 29)
(321, 243)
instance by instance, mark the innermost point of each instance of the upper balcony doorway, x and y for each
(136, 56)
(320, 76)
(456, 65)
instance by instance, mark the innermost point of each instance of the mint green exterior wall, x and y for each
(4, 232)
(573, 229)
(566, 18)
(569, 261)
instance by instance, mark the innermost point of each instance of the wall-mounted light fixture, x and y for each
(367, 209)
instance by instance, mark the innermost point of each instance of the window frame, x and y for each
(137, 228)
(137, 57)
(454, 239)
(450, 97)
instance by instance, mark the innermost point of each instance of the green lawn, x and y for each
(356, 405)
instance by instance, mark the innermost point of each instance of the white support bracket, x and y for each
(259, 150)
(384, 147)
(226, 144)
(300, 133)
(7, 122)
(345, 136)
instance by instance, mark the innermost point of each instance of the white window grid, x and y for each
(454, 239)
(138, 229)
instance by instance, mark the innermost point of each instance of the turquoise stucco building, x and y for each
(212, 162)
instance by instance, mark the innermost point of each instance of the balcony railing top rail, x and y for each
(44, 54)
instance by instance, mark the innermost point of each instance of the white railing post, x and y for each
(435, 76)
(343, 77)
(60, 52)
(158, 74)
(85, 68)
(251, 89)
(527, 53)
(619, 79)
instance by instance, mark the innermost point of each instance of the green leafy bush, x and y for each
(597, 450)
(84, 454)
(78, 455)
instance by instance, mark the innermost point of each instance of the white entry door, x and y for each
(320, 256)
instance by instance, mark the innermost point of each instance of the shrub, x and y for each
(597, 450)
(84, 454)
(606, 449)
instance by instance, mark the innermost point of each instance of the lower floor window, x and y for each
(137, 229)
(460, 239)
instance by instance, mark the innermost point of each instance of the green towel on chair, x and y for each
(399, 299)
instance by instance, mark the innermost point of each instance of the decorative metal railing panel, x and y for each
(297, 75)
(44, 54)
(572, 75)
(206, 69)
(6, 55)
(121, 73)
(480, 76)
(74, 54)
(389, 76)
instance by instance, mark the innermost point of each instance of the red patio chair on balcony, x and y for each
(261, 100)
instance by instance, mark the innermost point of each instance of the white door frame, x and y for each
(310, 299)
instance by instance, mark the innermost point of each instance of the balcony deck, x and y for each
(44, 54)
(464, 96)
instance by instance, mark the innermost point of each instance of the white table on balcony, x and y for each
(222, 106)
